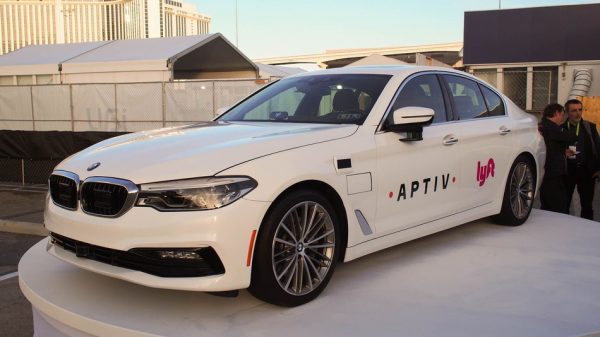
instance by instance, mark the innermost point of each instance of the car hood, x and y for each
(196, 150)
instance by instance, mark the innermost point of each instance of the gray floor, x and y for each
(22, 203)
(25, 204)
(479, 279)
(16, 318)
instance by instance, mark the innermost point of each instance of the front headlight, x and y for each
(194, 194)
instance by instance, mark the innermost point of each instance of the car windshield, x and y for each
(332, 99)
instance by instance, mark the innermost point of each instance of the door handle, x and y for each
(450, 140)
(504, 130)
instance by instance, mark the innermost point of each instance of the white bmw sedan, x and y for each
(309, 171)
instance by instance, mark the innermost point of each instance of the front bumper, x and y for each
(228, 231)
(163, 262)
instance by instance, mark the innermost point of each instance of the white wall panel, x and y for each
(189, 101)
(53, 126)
(15, 103)
(16, 125)
(94, 102)
(139, 102)
(52, 102)
(95, 126)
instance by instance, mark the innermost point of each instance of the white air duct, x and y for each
(582, 81)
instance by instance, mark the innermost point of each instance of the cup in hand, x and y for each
(574, 149)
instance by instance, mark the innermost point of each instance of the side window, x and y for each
(493, 101)
(422, 91)
(468, 101)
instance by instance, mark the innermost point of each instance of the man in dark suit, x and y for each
(553, 192)
(583, 169)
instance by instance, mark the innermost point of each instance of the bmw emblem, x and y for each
(93, 166)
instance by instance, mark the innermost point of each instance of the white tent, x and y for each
(40, 60)
(268, 71)
(143, 60)
(375, 59)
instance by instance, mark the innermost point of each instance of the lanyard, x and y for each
(576, 130)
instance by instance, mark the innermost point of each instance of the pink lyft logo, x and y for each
(483, 172)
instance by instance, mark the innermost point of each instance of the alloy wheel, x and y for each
(521, 190)
(303, 248)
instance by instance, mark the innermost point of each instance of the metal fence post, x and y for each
(116, 110)
(72, 107)
(529, 89)
(214, 103)
(32, 112)
(500, 80)
(164, 104)
(549, 87)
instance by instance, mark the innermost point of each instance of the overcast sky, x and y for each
(269, 28)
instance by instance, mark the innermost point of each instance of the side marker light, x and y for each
(251, 248)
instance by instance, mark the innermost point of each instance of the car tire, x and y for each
(297, 249)
(518, 193)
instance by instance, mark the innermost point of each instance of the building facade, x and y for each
(533, 60)
(34, 22)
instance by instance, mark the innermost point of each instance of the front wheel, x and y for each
(518, 194)
(297, 250)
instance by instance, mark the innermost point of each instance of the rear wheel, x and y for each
(297, 250)
(518, 193)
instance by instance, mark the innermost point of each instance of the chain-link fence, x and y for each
(26, 171)
(515, 87)
(490, 76)
(543, 89)
(117, 107)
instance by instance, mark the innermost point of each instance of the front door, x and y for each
(418, 181)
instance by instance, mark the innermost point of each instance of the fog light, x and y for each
(179, 255)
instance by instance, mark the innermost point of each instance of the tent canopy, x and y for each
(375, 59)
(184, 56)
(271, 71)
(43, 59)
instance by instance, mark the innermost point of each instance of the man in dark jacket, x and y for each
(553, 192)
(584, 167)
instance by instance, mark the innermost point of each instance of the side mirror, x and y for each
(411, 120)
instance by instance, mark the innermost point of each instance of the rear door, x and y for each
(485, 131)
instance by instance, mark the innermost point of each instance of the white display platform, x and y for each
(479, 279)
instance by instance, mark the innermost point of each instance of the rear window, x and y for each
(494, 102)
